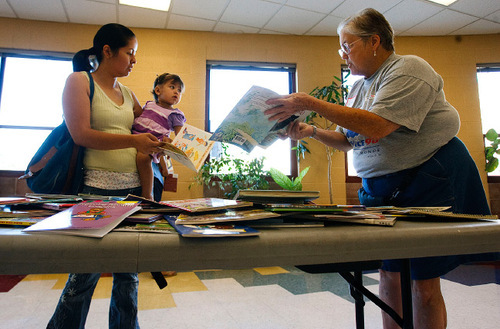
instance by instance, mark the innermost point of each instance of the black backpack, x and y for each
(57, 166)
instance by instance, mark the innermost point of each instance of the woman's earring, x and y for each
(374, 53)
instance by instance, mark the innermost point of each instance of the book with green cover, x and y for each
(160, 226)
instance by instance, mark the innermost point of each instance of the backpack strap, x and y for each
(91, 82)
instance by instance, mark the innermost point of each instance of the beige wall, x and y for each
(186, 53)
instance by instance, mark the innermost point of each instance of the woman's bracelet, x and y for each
(315, 130)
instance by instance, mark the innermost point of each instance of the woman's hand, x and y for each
(299, 130)
(167, 139)
(288, 105)
(146, 143)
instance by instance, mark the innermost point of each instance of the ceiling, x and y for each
(293, 17)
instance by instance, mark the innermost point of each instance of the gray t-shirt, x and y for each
(405, 90)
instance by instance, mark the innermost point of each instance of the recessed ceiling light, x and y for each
(162, 5)
(443, 2)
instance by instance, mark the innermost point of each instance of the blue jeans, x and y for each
(73, 307)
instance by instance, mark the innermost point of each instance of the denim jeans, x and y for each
(72, 309)
(73, 306)
(449, 178)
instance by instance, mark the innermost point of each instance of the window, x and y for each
(349, 81)
(30, 104)
(227, 82)
(488, 80)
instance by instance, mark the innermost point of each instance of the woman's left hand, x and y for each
(288, 105)
(146, 143)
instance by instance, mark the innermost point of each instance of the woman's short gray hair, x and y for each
(369, 22)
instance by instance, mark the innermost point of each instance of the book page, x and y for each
(247, 126)
(190, 147)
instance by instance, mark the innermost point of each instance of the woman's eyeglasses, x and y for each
(346, 48)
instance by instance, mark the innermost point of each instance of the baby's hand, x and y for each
(167, 139)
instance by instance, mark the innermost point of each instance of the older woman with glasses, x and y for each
(403, 135)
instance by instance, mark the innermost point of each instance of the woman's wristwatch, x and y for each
(315, 130)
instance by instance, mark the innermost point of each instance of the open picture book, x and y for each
(190, 147)
(247, 126)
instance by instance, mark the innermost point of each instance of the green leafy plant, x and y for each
(231, 174)
(285, 182)
(492, 150)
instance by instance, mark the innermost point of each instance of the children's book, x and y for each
(25, 221)
(229, 215)
(434, 213)
(93, 219)
(206, 204)
(26, 213)
(13, 200)
(143, 217)
(58, 205)
(225, 230)
(159, 226)
(247, 126)
(276, 196)
(151, 206)
(358, 217)
(190, 147)
(303, 208)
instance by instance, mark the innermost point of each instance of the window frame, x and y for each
(254, 66)
(24, 53)
(489, 67)
(348, 178)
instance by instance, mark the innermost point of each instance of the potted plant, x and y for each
(229, 174)
(492, 150)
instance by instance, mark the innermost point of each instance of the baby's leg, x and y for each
(145, 174)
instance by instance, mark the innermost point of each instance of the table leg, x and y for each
(406, 295)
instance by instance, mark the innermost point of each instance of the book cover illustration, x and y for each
(190, 147)
(93, 219)
(225, 216)
(212, 230)
(206, 204)
(247, 126)
(159, 226)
